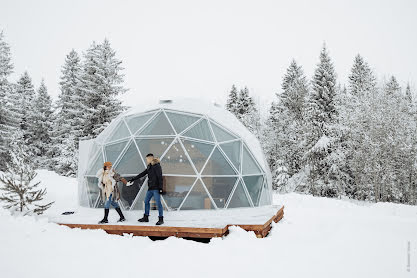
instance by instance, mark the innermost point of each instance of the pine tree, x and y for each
(392, 86)
(69, 118)
(321, 124)
(408, 93)
(100, 85)
(41, 117)
(232, 99)
(20, 193)
(248, 113)
(6, 115)
(361, 78)
(22, 99)
(294, 90)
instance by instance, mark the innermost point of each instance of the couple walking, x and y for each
(107, 182)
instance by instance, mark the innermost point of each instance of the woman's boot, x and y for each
(144, 218)
(105, 220)
(122, 218)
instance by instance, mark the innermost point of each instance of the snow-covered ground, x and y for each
(318, 237)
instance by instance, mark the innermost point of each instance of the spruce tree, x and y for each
(19, 191)
(100, 84)
(392, 87)
(361, 78)
(232, 99)
(408, 93)
(69, 118)
(41, 117)
(23, 104)
(321, 122)
(294, 90)
(6, 115)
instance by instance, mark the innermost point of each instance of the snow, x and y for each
(318, 237)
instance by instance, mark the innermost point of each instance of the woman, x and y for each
(110, 194)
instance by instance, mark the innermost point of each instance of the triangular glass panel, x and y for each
(221, 134)
(198, 152)
(158, 126)
(92, 189)
(176, 162)
(140, 202)
(264, 196)
(113, 151)
(136, 122)
(181, 121)
(217, 165)
(119, 132)
(131, 162)
(176, 190)
(198, 198)
(254, 187)
(232, 150)
(128, 193)
(96, 165)
(200, 131)
(239, 198)
(219, 188)
(155, 146)
(249, 165)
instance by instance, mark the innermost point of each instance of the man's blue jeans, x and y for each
(157, 198)
(110, 201)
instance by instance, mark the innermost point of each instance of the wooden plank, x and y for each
(189, 232)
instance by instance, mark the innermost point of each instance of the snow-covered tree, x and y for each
(22, 105)
(321, 126)
(69, 117)
(19, 191)
(408, 93)
(100, 84)
(231, 104)
(41, 118)
(392, 86)
(6, 115)
(361, 78)
(294, 90)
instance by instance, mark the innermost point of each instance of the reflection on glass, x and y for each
(218, 165)
(131, 162)
(197, 199)
(254, 186)
(135, 123)
(220, 188)
(232, 150)
(114, 150)
(119, 132)
(181, 121)
(155, 146)
(200, 131)
(176, 188)
(239, 198)
(221, 134)
(176, 162)
(199, 152)
(249, 165)
(158, 126)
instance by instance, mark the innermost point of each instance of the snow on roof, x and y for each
(214, 111)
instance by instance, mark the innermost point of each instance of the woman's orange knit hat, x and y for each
(107, 164)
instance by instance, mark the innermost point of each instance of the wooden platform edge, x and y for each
(260, 231)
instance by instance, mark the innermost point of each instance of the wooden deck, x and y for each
(261, 230)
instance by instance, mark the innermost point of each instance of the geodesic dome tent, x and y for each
(209, 159)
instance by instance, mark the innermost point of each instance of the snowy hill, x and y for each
(318, 237)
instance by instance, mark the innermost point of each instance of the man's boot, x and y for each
(160, 221)
(104, 220)
(145, 218)
(122, 218)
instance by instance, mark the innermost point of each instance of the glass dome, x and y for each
(205, 165)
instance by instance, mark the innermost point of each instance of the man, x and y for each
(155, 185)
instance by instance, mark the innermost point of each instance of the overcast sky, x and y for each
(200, 48)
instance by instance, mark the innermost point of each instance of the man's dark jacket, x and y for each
(154, 172)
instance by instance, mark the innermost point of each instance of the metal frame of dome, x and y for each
(127, 130)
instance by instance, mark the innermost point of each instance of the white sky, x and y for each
(200, 48)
